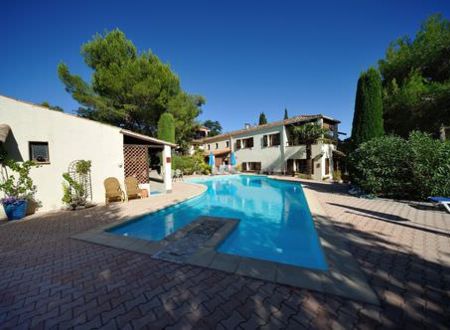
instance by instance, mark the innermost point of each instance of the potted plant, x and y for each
(16, 186)
(75, 187)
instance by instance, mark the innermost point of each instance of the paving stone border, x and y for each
(343, 278)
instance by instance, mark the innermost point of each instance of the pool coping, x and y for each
(344, 276)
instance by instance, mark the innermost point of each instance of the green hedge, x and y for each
(394, 167)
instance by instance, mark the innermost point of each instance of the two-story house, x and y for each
(271, 148)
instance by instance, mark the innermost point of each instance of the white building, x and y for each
(270, 148)
(55, 139)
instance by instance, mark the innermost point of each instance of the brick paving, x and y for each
(48, 280)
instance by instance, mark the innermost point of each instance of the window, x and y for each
(209, 147)
(251, 166)
(244, 143)
(228, 144)
(271, 140)
(217, 146)
(39, 152)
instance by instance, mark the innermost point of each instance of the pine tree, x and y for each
(262, 119)
(286, 116)
(368, 116)
(166, 128)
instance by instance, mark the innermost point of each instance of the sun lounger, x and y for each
(113, 192)
(444, 201)
(132, 188)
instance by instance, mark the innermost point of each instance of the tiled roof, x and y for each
(288, 121)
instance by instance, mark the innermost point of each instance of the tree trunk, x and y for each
(308, 160)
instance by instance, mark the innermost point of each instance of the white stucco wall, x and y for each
(271, 157)
(69, 138)
(222, 144)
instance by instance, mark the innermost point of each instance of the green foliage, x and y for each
(286, 116)
(262, 119)
(18, 183)
(430, 163)
(128, 89)
(381, 167)
(73, 192)
(166, 128)
(394, 167)
(83, 166)
(52, 107)
(185, 109)
(191, 164)
(416, 80)
(214, 127)
(368, 115)
(307, 134)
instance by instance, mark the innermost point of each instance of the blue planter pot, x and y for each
(17, 210)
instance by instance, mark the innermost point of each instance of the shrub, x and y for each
(191, 164)
(394, 167)
(381, 167)
(430, 161)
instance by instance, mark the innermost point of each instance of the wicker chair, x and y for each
(113, 192)
(132, 188)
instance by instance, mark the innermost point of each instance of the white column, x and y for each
(167, 163)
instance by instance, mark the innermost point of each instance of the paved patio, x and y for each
(48, 280)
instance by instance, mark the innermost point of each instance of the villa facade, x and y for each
(270, 148)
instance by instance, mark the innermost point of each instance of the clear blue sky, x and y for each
(243, 57)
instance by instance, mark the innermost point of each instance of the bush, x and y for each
(394, 167)
(191, 164)
(381, 167)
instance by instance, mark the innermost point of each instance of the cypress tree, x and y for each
(262, 119)
(286, 116)
(368, 116)
(166, 127)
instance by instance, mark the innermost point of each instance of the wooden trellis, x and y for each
(136, 161)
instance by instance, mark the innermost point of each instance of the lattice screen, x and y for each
(136, 161)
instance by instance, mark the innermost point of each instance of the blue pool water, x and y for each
(275, 222)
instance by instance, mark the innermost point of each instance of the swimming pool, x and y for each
(275, 222)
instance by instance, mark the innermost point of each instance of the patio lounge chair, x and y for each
(444, 201)
(179, 174)
(113, 192)
(132, 188)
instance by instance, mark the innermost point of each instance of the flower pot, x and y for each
(31, 207)
(17, 210)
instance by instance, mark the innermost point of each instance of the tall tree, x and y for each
(185, 109)
(368, 115)
(416, 80)
(214, 127)
(52, 107)
(308, 134)
(166, 128)
(127, 89)
(286, 116)
(262, 119)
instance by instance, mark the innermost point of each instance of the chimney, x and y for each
(247, 126)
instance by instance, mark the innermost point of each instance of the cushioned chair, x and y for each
(113, 192)
(132, 188)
